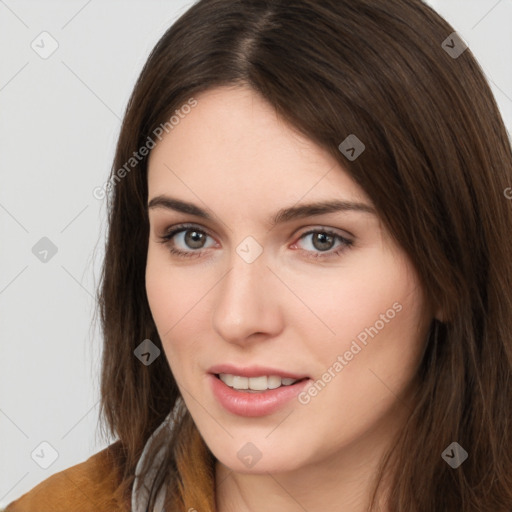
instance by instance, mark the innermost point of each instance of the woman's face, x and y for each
(324, 296)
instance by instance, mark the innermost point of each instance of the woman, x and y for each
(307, 283)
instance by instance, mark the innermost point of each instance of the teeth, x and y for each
(273, 382)
(255, 383)
(240, 382)
(228, 379)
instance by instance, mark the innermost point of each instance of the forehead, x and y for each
(233, 146)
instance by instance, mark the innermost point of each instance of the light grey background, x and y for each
(59, 121)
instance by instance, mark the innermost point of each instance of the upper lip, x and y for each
(254, 371)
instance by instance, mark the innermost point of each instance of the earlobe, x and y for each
(441, 315)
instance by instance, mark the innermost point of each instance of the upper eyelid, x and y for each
(178, 228)
(303, 220)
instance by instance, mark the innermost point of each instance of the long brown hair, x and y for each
(437, 160)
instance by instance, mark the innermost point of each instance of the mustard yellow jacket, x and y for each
(86, 487)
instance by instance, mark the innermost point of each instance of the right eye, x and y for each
(188, 236)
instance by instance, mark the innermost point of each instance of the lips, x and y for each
(254, 403)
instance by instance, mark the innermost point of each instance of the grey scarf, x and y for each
(140, 492)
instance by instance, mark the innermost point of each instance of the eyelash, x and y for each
(167, 238)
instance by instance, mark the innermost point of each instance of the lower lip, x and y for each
(254, 404)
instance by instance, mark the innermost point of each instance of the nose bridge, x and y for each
(244, 303)
(248, 269)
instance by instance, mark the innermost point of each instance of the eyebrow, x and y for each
(284, 215)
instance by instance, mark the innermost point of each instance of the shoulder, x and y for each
(86, 487)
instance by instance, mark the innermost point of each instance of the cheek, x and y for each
(158, 291)
(169, 291)
(176, 301)
(376, 319)
(166, 296)
(350, 299)
(370, 363)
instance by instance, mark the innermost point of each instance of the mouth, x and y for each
(259, 384)
(234, 393)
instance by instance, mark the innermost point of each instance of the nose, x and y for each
(248, 302)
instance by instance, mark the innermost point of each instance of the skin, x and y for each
(234, 157)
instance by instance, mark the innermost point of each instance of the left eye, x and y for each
(322, 242)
